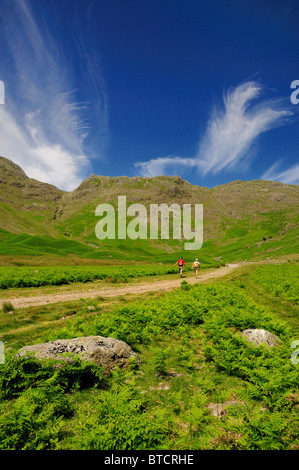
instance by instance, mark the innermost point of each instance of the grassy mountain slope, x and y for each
(242, 220)
(26, 205)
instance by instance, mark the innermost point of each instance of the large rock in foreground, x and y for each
(108, 353)
(258, 337)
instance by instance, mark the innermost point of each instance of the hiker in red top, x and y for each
(180, 263)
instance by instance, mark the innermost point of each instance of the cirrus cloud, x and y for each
(44, 126)
(164, 165)
(230, 135)
(289, 176)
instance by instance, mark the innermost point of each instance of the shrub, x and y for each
(18, 375)
(160, 362)
(34, 422)
(7, 307)
(185, 285)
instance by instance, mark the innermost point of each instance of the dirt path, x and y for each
(76, 294)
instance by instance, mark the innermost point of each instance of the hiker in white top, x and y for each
(196, 266)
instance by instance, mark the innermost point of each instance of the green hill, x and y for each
(242, 220)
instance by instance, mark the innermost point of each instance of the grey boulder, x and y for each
(108, 353)
(258, 337)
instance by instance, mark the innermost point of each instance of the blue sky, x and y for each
(198, 88)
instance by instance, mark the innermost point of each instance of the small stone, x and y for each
(220, 409)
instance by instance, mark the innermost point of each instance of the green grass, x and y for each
(35, 245)
(273, 234)
(14, 246)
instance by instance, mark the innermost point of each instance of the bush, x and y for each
(185, 285)
(7, 307)
(18, 375)
(34, 422)
(160, 362)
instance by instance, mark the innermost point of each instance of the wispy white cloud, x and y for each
(231, 132)
(164, 165)
(289, 176)
(47, 162)
(44, 128)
